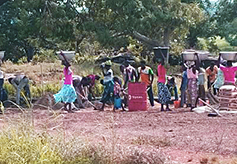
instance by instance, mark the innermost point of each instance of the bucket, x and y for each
(177, 103)
(161, 53)
(117, 103)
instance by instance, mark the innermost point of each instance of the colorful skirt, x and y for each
(164, 95)
(67, 94)
(192, 91)
(108, 92)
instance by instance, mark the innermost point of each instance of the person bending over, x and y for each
(20, 82)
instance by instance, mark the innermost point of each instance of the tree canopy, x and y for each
(26, 26)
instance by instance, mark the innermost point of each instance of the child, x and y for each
(67, 94)
(117, 91)
(171, 84)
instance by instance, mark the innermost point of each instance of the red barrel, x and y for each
(137, 97)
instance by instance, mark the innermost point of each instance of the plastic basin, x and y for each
(189, 55)
(231, 56)
(68, 54)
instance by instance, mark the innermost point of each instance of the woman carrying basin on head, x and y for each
(228, 71)
(67, 94)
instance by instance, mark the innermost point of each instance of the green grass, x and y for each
(36, 90)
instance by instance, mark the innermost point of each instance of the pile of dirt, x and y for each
(47, 101)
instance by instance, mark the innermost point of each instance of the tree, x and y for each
(226, 19)
(3, 1)
(26, 25)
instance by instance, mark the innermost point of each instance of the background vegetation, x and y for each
(36, 27)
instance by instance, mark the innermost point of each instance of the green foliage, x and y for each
(43, 55)
(214, 44)
(22, 60)
(135, 47)
(36, 90)
(33, 25)
(226, 19)
(29, 27)
(39, 90)
(10, 89)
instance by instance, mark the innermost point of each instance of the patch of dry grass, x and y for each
(41, 72)
(21, 142)
(152, 141)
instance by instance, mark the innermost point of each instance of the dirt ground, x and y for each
(182, 136)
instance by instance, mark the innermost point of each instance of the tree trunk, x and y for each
(30, 50)
(146, 40)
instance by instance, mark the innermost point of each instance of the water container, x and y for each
(137, 97)
(177, 104)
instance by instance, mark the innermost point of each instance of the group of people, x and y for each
(192, 86)
(194, 79)
(114, 88)
(143, 74)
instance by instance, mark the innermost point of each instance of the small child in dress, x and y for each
(118, 91)
(67, 94)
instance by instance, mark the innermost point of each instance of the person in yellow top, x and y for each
(211, 72)
(147, 77)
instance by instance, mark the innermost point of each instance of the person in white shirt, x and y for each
(130, 74)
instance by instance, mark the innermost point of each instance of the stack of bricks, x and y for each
(228, 97)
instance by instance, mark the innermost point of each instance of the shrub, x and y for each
(36, 90)
(47, 56)
(22, 60)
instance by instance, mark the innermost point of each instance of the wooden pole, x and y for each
(41, 71)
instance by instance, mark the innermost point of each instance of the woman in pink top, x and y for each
(229, 73)
(164, 95)
(67, 94)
